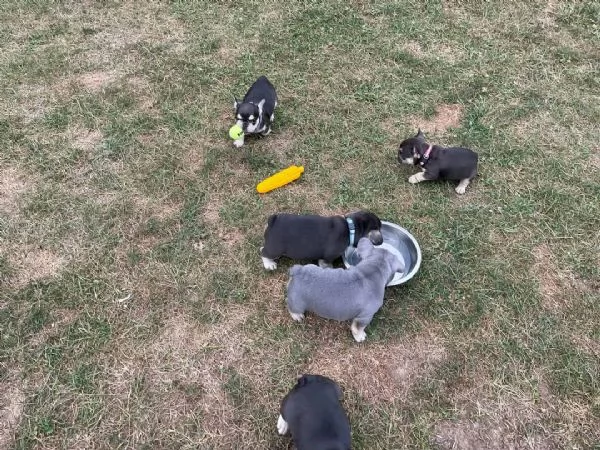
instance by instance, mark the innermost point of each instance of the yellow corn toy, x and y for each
(281, 178)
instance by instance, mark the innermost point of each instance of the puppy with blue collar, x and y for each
(316, 238)
(313, 414)
(344, 294)
(256, 112)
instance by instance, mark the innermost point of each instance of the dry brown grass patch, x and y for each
(62, 319)
(447, 116)
(86, 140)
(546, 18)
(97, 80)
(197, 353)
(595, 157)
(493, 416)
(13, 183)
(556, 285)
(32, 263)
(379, 372)
(11, 408)
(183, 376)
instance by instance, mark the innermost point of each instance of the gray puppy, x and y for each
(343, 294)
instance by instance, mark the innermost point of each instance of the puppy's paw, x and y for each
(282, 425)
(297, 317)
(460, 189)
(266, 132)
(238, 143)
(269, 263)
(324, 264)
(414, 179)
(359, 335)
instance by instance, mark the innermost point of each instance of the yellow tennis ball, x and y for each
(236, 132)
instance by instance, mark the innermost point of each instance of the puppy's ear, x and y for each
(364, 248)
(420, 134)
(260, 106)
(235, 103)
(398, 264)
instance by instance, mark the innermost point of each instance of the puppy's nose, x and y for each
(375, 237)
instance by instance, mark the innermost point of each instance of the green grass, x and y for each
(134, 309)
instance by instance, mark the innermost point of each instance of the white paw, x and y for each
(414, 179)
(266, 132)
(269, 263)
(297, 317)
(324, 264)
(282, 426)
(460, 189)
(359, 336)
(238, 143)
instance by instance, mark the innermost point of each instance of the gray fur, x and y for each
(344, 294)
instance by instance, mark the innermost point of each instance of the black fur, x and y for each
(250, 114)
(445, 163)
(312, 237)
(315, 416)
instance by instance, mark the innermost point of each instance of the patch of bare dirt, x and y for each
(32, 263)
(11, 409)
(12, 185)
(447, 116)
(380, 372)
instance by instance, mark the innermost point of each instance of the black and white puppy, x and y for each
(313, 414)
(315, 238)
(256, 112)
(438, 163)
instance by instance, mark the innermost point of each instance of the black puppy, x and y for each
(436, 162)
(314, 416)
(256, 112)
(316, 237)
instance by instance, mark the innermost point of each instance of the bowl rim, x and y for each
(417, 264)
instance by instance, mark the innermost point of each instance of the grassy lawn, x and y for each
(134, 309)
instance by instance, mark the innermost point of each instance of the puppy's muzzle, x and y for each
(409, 161)
(375, 237)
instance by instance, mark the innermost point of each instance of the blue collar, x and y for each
(351, 229)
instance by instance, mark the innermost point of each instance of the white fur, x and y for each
(409, 161)
(253, 128)
(324, 264)
(282, 425)
(462, 186)
(269, 263)
(416, 178)
(358, 333)
(239, 142)
(297, 317)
